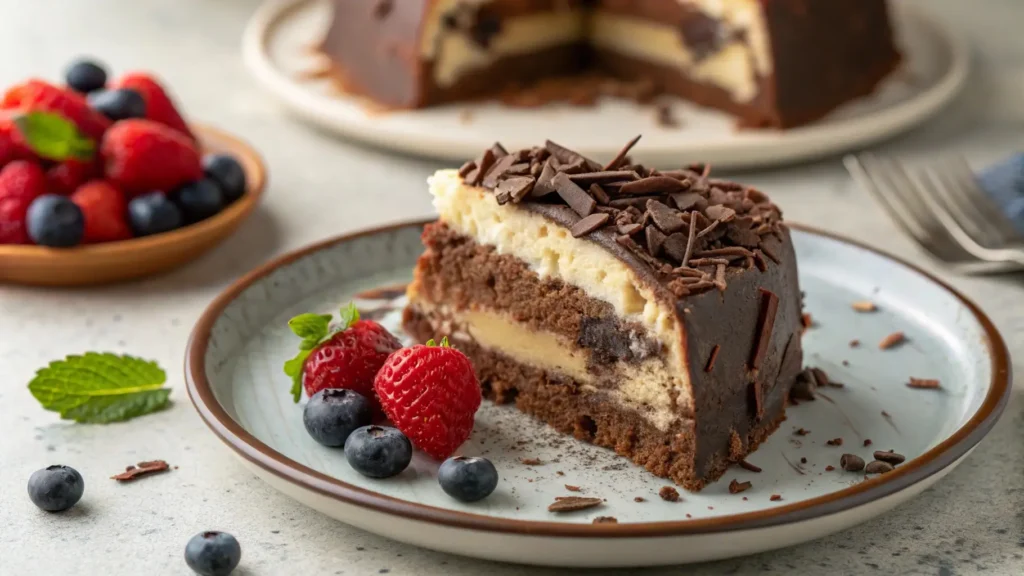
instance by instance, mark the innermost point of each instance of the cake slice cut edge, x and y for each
(682, 369)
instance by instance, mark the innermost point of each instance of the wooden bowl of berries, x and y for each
(103, 181)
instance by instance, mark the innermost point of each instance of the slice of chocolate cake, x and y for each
(654, 313)
(777, 63)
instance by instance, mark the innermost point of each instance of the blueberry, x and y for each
(85, 76)
(153, 213)
(227, 173)
(55, 221)
(55, 488)
(378, 451)
(467, 478)
(213, 553)
(120, 104)
(199, 200)
(332, 414)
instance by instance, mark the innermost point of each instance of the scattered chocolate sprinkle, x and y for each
(639, 499)
(889, 456)
(669, 494)
(803, 460)
(835, 442)
(621, 156)
(748, 466)
(924, 383)
(599, 194)
(711, 358)
(574, 196)
(606, 520)
(891, 340)
(573, 503)
(467, 168)
(864, 306)
(737, 487)
(802, 432)
(775, 497)
(559, 472)
(572, 488)
(589, 224)
(691, 239)
(141, 469)
(851, 462)
(655, 240)
(854, 343)
(531, 461)
(666, 219)
(766, 322)
(878, 467)
(829, 468)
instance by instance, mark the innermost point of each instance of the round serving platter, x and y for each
(233, 369)
(277, 48)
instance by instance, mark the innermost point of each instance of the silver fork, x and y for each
(942, 207)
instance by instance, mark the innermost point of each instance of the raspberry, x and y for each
(12, 145)
(159, 106)
(40, 96)
(13, 210)
(103, 206)
(431, 394)
(67, 176)
(23, 179)
(142, 156)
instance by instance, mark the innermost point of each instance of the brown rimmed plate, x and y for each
(139, 257)
(233, 369)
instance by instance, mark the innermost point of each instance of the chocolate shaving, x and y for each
(710, 365)
(691, 240)
(891, 340)
(568, 157)
(660, 185)
(498, 150)
(665, 218)
(497, 171)
(924, 383)
(737, 487)
(572, 488)
(766, 322)
(141, 469)
(483, 165)
(599, 194)
(748, 466)
(604, 177)
(864, 306)
(688, 200)
(630, 229)
(621, 156)
(467, 168)
(655, 240)
(531, 461)
(675, 246)
(573, 503)
(889, 456)
(606, 520)
(543, 187)
(588, 224)
(576, 197)
(775, 497)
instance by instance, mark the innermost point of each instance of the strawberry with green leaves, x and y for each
(346, 355)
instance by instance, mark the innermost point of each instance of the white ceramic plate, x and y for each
(233, 368)
(277, 50)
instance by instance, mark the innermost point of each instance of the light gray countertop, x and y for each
(971, 522)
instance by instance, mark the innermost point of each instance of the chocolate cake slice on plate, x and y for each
(654, 313)
(777, 63)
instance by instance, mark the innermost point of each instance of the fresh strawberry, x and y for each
(13, 210)
(22, 178)
(104, 207)
(142, 156)
(431, 394)
(41, 96)
(347, 355)
(159, 106)
(12, 145)
(67, 176)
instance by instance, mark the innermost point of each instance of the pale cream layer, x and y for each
(642, 387)
(735, 68)
(550, 251)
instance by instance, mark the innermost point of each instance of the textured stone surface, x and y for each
(970, 523)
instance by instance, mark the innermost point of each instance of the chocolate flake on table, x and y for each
(889, 456)
(766, 322)
(835, 442)
(829, 468)
(775, 497)
(669, 494)
(864, 306)
(803, 460)
(572, 488)
(804, 387)
(573, 503)
(802, 432)
(924, 383)
(711, 358)
(748, 466)
(891, 340)
(141, 469)
(851, 462)
(531, 461)
(606, 520)
(639, 499)
(737, 487)
(683, 214)
(878, 467)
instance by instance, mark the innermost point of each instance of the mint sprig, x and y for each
(314, 329)
(54, 137)
(443, 344)
(100, 388)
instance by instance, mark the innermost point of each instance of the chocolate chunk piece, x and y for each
(499, 169)
(483, 165)
(878, 467)
(851, 462)
(675, 246)
(599, 194)
(573, 503)
(665, 218)
(689, 201)
(660, 185)
(603, 177)
(655, 240)
(574, 196)
(467, 168)
(517, 187)
(889, 456)
(566, 156)
(804, 387)
(544, 185)
(589, 224)
(723, 213)
(737, 487)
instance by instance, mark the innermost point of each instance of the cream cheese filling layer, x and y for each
(642, 387)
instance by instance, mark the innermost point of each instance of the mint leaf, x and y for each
(349, 316)
(310, 326)
(443, 344)
(54, 137)
(99, 388)
(293, 368)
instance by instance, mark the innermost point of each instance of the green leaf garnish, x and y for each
(314, 329)
(99, 388)
(443, 344)
(54, 137)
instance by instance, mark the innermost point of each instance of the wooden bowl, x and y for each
(138, 257)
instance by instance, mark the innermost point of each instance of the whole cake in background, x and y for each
(771, 63)
(654, 313)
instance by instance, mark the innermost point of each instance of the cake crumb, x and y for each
(748, 466)
(639, 499)
(854, 343)
(737, 487)
(531, 461)
(864, 306)
(923, 383)
(775, 497)
(572, 488)
(802, 432)
(669, 494)
(606, 520)
(829, 468)
(835, 442)
(894, 339)
(559, 472)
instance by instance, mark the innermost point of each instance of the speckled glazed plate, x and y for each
(277, 50)
(233, 367)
